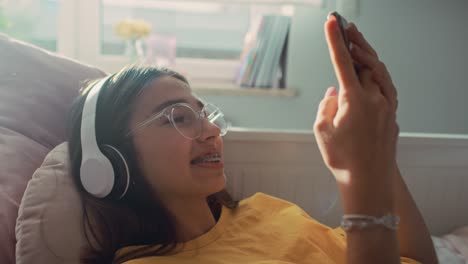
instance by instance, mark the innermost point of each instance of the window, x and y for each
(202, 30)
(209, 34)
(33, 21)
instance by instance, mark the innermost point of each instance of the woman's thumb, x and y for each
(326, 111)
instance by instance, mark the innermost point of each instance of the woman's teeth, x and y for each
(212, 159)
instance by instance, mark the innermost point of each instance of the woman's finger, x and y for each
(326, 112)
(341, 59)
(382, 77)
(367, 82)
(358, 38)
(365, 54)
(379, 73)
(364, 58)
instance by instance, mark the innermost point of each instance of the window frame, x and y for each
(79, 39)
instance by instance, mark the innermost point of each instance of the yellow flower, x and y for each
(132, 29)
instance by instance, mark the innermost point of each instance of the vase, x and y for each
(134, 50)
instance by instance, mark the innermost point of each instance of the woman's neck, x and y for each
(192, 218)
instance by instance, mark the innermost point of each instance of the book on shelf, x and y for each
(263, 60)
(251, 51)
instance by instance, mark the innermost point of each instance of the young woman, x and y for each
(176, 209)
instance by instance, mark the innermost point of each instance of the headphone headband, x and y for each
(88, 119)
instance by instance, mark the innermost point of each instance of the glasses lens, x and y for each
(185, 121)
(216, 117)
(188, 124)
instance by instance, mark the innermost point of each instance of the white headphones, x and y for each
(101, 172)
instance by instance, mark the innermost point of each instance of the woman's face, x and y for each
(164, 155)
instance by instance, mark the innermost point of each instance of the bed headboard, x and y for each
(288, 164)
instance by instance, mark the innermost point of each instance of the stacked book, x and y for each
(263, 61)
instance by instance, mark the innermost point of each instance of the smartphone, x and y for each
(343, 25)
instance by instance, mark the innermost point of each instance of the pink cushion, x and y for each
(36, 90)
(19, 157)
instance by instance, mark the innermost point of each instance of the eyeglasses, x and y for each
(187, 121)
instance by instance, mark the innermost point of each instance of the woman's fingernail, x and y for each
(330, 91)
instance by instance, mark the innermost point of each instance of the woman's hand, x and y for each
(356, 129)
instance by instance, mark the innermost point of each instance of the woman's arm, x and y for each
(413, 235)
(356, 132)
(373, 244)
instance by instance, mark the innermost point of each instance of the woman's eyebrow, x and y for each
(174, 101)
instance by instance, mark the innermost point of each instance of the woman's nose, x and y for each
(209, 130)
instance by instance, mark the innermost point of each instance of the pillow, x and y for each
(459, 240)
(36, 89)
(49, 226)
(446, 253)
(19, 157)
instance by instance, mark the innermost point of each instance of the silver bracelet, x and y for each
(351, 221)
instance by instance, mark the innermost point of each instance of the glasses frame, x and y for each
(167, 112)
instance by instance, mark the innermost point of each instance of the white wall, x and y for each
(288, 164)
(422, 42)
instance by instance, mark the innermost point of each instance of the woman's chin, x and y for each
(210, 181)
(217, 184)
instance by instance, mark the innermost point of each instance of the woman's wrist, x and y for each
(370, 195)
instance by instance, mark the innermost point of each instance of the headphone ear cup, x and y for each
(121, 170)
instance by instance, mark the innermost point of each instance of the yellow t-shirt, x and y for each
(262, 230)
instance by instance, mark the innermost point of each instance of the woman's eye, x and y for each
(179, 119)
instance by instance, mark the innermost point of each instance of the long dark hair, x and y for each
(138, 218)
